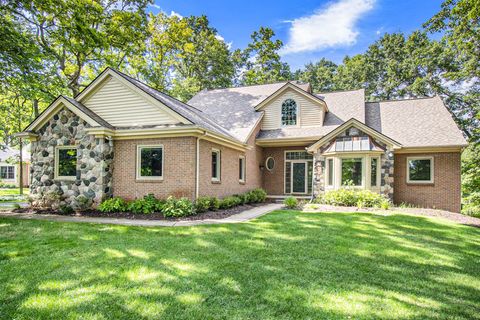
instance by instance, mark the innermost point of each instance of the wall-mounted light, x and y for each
(390, 154)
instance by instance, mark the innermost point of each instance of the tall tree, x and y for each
(261, 60)
(321, 75)
(80, 36)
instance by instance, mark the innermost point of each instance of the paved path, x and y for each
(236, 218)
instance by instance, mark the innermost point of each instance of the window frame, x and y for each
(327, 172)
(218, 170)
(138, 168)
(363, 172)
(56, 163)
(266, 164)
(378, 173)
(290, 162)
(243, 174)
(14, 172)
(432, 170)
(296, 114)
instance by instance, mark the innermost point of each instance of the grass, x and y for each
(13, 191)
(285, 265)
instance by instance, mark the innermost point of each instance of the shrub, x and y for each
(256, 195)
(290, 202)
(16, 206)
(202, 204)
(146, 205)
(214, 204)
(243, 198)
(471, 205)
(182, 207)
(352, 197)
(65, 209)
(113, 205)
(229, 202)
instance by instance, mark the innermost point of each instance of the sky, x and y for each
(309, 29)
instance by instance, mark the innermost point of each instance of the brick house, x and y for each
(119, 137)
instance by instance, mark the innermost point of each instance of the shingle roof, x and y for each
(190, 113)
(234, 108)
(89, 112)
(420, 122)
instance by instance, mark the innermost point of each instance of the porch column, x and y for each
(318, 173)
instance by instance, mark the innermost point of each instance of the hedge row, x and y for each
(183, 207)
(350, 197)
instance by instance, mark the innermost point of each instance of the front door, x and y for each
(299, 175)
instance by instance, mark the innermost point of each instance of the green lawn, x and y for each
(12, 191)
(285, 265)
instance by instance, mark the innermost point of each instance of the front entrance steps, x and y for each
(280, 198)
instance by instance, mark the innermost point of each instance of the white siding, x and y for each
(309, 113)
(121, 106)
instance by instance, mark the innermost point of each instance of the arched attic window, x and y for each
(289, 113)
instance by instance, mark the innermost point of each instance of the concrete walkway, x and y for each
(236, 218)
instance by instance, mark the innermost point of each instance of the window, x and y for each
(420, 170)
(298, 172)
(352, 171)
(330, 172)
(289, 113)
(215, 165)
(66, 162)
(241, 169)
(7, 172)
(150, 162)
(373, 171)
(270, 163)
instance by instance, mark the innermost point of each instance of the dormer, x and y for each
(292, 107)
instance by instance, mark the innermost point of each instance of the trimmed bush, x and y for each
(290, 202)
(115, 204)
(214, 204)
(182, 207)
(202, 204)
(146, 205)
(351, 197)
(256, 195)
(229, 202)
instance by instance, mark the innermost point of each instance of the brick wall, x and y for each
(444, 193)
(178, 168)
(273, 181)
(229, 173)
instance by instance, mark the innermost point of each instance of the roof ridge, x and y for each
(402, 99)
(258, 85)
(335, 91)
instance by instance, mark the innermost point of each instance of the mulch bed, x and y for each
(219, 214)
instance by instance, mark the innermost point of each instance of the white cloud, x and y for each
(219, 37)
(154, 5)
(175, 14)
(330, 26)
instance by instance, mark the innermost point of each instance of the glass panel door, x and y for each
(298, 177)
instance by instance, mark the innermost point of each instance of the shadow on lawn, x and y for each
(284, 265)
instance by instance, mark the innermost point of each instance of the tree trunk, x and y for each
(35, 108)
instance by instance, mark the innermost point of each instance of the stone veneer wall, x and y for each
(386, 175)
(319, 173)
(94, 164)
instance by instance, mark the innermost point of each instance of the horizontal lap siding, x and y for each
(444, 193)
(120, 106)
(179, 169)
(308, 113)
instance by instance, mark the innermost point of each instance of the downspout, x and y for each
(197, 166)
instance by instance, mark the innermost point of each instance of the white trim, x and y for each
(369, 173)
(244, 169)
(432, 171)
(306, 161)
(266, 163)
(364, 178)
(287, 86)
(218, 169)
(56, 175)
(138, 175)
(297, 114)
(327, 172)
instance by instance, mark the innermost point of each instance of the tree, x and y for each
(321, 75)
(81, 36)
(261, 61)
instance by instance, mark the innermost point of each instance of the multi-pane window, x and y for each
(289, 112)
(149, 162)
(352, 171)
(298, 155)
(241, 169)
(420, 170)
(373, 171)
(7, 172)
(215, 165)
(66, 162)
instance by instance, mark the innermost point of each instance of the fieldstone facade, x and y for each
(319, 173)
(93, 182)
(386, 175)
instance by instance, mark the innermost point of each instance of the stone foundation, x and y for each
(93, 182)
